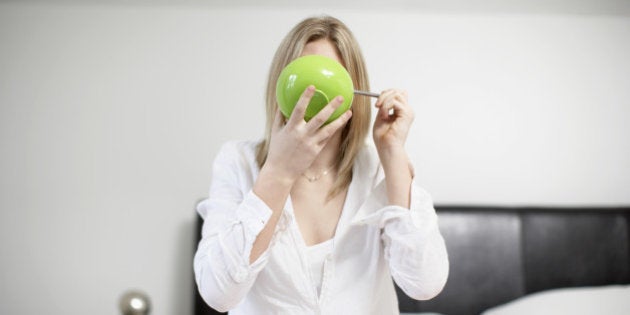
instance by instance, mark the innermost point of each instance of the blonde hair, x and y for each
(354, 133)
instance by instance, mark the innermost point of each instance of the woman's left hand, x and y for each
(390, 131)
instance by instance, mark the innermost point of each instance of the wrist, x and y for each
(392, 154)
(398, 174)
(277, 176)
(272, 188)
(395, 161)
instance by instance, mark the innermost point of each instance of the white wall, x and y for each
(111, 115)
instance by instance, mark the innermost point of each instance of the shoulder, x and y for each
(237, 150)
(234, 166)
(237, 156)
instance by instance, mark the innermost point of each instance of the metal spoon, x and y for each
(364, 93)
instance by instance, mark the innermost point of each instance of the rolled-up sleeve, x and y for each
(413, 246)
(232, 221)
(415, 249)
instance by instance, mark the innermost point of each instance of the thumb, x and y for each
(278, 122)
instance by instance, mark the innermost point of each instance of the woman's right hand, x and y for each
(295, 145)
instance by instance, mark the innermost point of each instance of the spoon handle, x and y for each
(370, 94)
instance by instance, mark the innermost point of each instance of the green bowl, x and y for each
(328, 76)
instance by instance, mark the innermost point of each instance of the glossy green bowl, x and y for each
(328, 76)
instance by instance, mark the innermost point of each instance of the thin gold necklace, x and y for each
(316, 178)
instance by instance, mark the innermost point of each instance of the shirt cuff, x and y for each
(253, 214)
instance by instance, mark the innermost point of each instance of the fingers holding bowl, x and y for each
(297, 115)
(325, 132)
(324, 115)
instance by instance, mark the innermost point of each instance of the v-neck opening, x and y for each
(346, 203)
(303, 249)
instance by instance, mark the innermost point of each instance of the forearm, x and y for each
(274, 191)
(417, 254)
(398, 176)
(231, 225)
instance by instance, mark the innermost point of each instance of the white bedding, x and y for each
(608, 300)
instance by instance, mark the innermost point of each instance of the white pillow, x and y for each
(609, 300)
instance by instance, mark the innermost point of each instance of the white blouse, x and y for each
(373, 243)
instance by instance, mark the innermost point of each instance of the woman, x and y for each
(312, 219)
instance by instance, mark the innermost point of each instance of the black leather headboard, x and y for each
(499, 254)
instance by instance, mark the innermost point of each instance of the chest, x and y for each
(316, 213)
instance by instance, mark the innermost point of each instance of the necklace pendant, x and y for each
(312, 179)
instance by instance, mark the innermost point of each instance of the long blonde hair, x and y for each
(354, 133)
